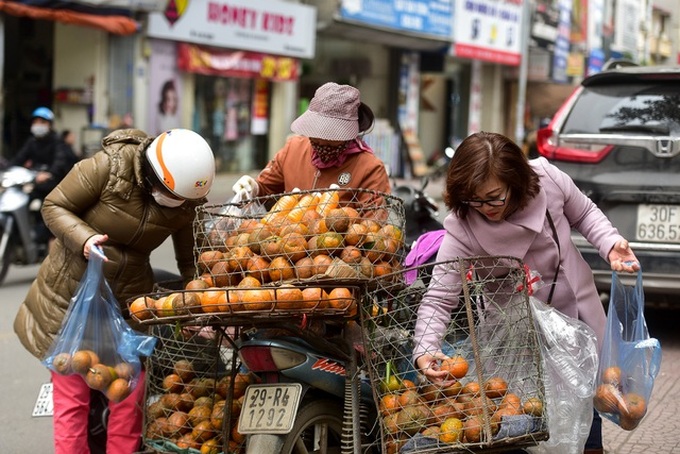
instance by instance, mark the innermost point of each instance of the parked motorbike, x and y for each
(421, 210)
(439, 162)
(310, 393)
(19, 216)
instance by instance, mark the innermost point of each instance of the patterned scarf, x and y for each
(325, 156)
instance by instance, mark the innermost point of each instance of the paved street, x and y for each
(21, 375)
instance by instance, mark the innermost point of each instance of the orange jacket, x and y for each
(292, 168)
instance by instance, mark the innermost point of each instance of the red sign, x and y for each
(232, 63)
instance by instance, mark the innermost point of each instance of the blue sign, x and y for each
(595, 61)
(427, 17)
(559, 69)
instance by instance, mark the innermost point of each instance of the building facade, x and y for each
(239, 71)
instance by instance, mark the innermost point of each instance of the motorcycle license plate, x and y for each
(269, 409)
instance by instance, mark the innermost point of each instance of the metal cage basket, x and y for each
(249, 305)
(307, 235)
(494, 398)
(194, 389)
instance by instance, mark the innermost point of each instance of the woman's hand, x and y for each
(94, 240)
(622, 258)
(429, 366)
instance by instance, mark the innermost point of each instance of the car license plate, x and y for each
(659, 223)
(269, 408)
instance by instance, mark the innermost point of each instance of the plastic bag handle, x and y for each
(98, 251)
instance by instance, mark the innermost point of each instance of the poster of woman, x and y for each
(165, 106)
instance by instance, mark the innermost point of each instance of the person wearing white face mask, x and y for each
(128, 199)
(47, 154)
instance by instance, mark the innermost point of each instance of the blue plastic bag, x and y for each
(630, 358)
(95, 341)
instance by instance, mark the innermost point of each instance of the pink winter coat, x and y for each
(527, 235)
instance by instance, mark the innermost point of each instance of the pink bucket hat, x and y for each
(333, 114)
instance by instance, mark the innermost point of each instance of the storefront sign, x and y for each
(259, 122)
(274, 27)
(217, 62)
(562, 43)
(428, 17)
(488, 30)
(133, 5)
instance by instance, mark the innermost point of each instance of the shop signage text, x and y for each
(272, 27)
(428, 17)
(488, 30)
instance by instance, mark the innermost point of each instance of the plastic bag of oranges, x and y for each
(94, 340)
(630, 359)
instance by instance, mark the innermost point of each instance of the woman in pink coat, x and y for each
(502, 204)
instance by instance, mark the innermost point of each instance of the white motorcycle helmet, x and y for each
(183, 162)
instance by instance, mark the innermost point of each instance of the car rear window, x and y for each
(635, 109)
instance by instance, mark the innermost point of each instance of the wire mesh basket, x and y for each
(493, 398)
(194, 393)
(307, 235)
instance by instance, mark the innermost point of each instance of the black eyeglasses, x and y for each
(491, 202)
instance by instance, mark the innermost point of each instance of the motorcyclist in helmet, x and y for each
(128, 199)
(46, 153)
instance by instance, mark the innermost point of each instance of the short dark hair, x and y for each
(484, 155)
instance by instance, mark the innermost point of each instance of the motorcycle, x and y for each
(19, 216)
(313, 381)
(420, 209)
(311, 395)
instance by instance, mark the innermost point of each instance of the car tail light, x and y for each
(549, 144)
(546, 142)
(268, 359)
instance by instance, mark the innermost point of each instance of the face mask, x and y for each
(39, 130)
(165, 200)
(327, 153)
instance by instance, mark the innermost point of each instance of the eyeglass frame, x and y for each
(491, 202)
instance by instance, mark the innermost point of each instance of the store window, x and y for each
(223, 110)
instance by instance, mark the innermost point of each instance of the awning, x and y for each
(112, 23)
(345, 29)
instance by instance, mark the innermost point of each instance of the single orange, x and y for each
(249, 281)
(355, 234)
(305, 267)
(288, 297)
(142, 308)
(314, 297)
(451, 431)
(381, 268)
(612, 375)
(340, 298)
(496, 387)
(389, 403)
(213, 299)
(456, 366)
(280, 269)
(471, 388)
(321, 263)
(257, 299)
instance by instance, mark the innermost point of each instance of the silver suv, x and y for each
(618, 137)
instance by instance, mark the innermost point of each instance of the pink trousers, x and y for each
(71, 401)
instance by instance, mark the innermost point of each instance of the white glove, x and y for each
(246, 184)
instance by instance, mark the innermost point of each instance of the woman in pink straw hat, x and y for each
(327, 149)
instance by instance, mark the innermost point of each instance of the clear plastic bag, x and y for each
(226, 218)
(570, 360)
(630, 359)
(94, 340)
